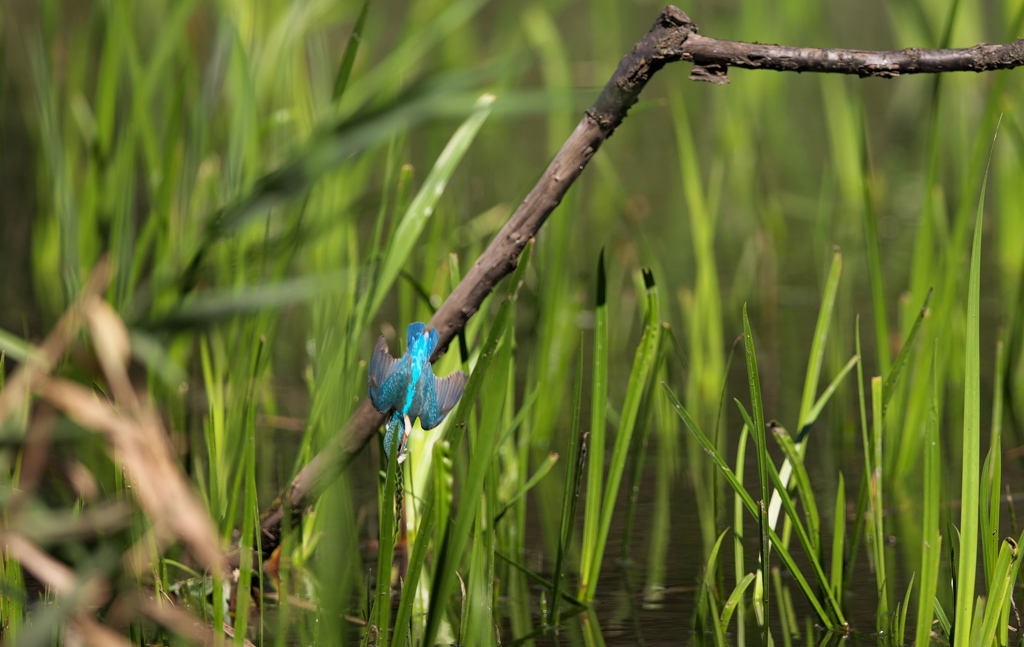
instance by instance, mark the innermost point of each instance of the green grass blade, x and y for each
(787, 560)
(863, 494)
(211, 306)
(739, 553)
(478, 622)
(571, 494)
(757, 430)
(109, 73)
(592, 636)
(805, 541)
(392, 71)
(970, 485)
(542, 33)
(821, 329)
(389, 520)
(539, 474)
(899, 630)
(348, 59)
(735, 601)
(145, 121)
(1006, 602)
(598, 430)
(637, 460)
(784, 607)
(875, 480)
(991, 475)
(1000, 589)
(666, 425)
(815, 411)
(940, 615)
(928, 600)
(931, 553)
(707, 597)
(64, 257)
(712, 451)
(803, 486)
(897, 366)
(429, 515)
(876, 275)
(979, 613)
(643, 365)
(250, 507)
(538, 580)
(15, 347)
(422, 206)
(838, 539)
(443, 482)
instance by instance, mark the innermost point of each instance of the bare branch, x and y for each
(673, 37)
(712, 58)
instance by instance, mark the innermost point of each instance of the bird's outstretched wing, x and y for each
(388, 379)
(436, 396)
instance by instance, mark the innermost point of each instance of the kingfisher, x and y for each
(407, 387)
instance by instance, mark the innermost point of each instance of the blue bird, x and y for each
(408, 387)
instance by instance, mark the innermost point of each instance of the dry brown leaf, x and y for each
(178, 621)
(54, 574)
(113, 349)
(43, 567)
(98, 635)
(82, 480)
(15, 393)
(82, 628)
(143, 450)
(229, 631)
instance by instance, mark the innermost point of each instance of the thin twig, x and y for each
(712, 58)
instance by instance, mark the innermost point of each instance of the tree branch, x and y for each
(712, 58)
(672, 38)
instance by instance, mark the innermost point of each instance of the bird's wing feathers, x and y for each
(388, 377)
(421, 344)
(436, 396)
(413, 332)
(449, 390)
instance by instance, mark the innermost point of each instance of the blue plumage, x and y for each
(408, 387)
(395, 422)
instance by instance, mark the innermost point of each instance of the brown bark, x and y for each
(712, 58)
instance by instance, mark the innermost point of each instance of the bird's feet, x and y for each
(402, 455)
